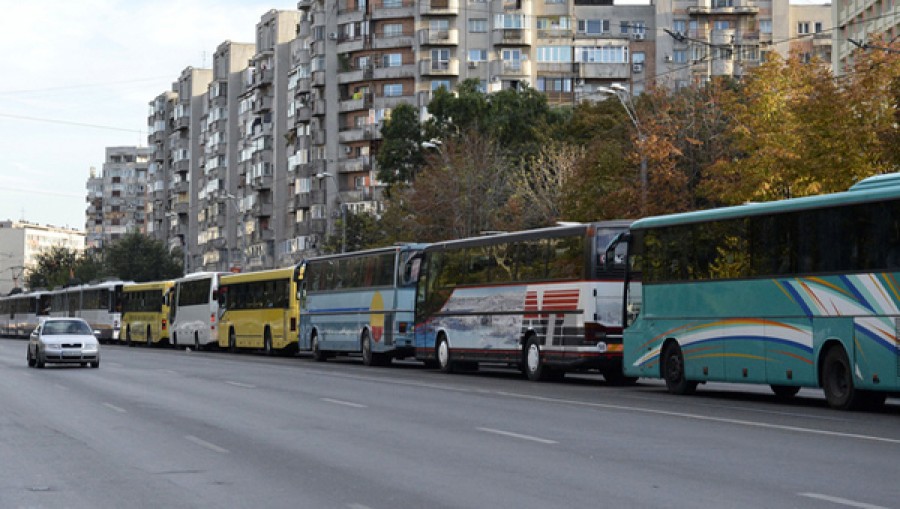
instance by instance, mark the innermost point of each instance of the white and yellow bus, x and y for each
(145, 317)
(259, 310)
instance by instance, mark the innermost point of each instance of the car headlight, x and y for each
(53, 346)
(91, 347)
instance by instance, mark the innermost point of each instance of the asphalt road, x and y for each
(168, 428)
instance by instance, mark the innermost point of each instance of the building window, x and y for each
(554, 54)
(680, 26)
(509, 21)
(679, 56)
(392, 60)
(602, 55)
(478, 25)
(391, 4)
(765, 26)
(554, 23)
(477, 55)
(440, 59)
(393, 29)
(803, 27)
(722, 25)
(393, 90)
(818, 26)
(436, 84)
(554, 84)
(593, 26)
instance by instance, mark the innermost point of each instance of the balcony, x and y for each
(318, 107)
(512, 37)
(357, 165)
(392, 9)
(182, 187)
(430, 67)
(362, 102)
(302, 201)
(591, 70)
(396, 72)
(724, 7)
(514, 68)
(428, 37)
(303, 114)
(350, 45)
(403, 40)
(262, 103)
(262, 209)
(183, 122)
(263, 77)
(356, 134)
(439, 7)
(182, 166)
(262, 235)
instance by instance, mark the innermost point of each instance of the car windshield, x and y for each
(66, 327)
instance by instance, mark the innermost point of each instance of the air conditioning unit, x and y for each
(637, 37)
(637, 68)
(473, 65)
(668, 59)
(333, 36)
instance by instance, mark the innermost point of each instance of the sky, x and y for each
(78, 78)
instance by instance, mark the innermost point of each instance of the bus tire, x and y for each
(533, 361)
(785, 391)
(442, 351)
(837, 382)
(267, 342)
(149, 337)
(232, 341)
(128, 337)
(366, 346)
(317, 355)
(673, 371)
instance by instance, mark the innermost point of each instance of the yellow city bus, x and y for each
(259, 310)
(145, 317)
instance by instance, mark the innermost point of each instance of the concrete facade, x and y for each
(22, 242)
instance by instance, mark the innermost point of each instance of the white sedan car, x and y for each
(63, 341)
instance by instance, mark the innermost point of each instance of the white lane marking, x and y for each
(115, 408)
(239, 384)
(517, 435)
(841, 501)
(204, 443)
(344, 403)
(357, 506)
(739, 422)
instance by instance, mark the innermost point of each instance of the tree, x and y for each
(136, 257)
(400, 155)
(538, 186)
(362, 232)
(54, 268)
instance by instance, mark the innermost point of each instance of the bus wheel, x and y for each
(785, 391)
(267, 342)
(673, 371)
(367, 355)
(837, 382)
(317, 354)
(128, 337)
(443, 355)
(149, 337)
(535, 369)
(232, 341)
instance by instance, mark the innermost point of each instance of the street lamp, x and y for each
(625, 98)
(321, 176)
(233, 200)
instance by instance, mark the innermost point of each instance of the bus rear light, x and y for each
(402, 327)
(293, 324)
(164, 324)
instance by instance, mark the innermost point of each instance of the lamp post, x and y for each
(233, 200)
(624, 97)
(324, 175)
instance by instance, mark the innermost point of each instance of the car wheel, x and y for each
(31, 361)
(39, 359)
(95, 364)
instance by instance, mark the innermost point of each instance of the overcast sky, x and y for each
(78, 78)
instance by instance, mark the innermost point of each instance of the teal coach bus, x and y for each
(796, 293)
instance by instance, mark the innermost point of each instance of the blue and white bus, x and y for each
(359, 303)
(794, 293)
(20, 313)
(546, 301)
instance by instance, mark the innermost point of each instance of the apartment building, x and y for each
(858, 20)
(811, 32)
(117, 197)
(217, 185)
(23, 241)
(257, 159)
